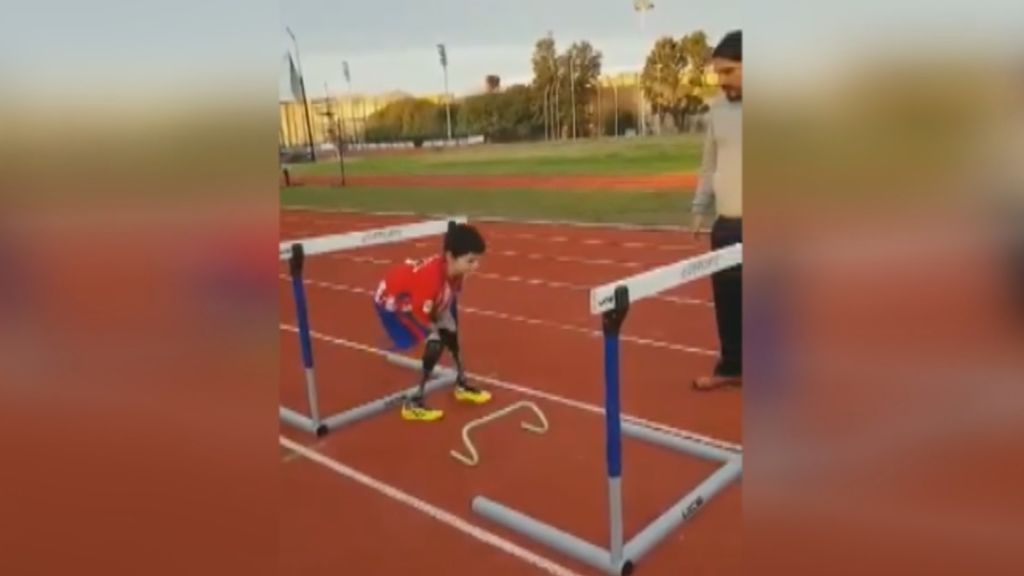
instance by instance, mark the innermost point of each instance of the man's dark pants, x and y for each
(728, 290)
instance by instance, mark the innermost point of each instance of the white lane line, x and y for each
(496, 219)
(443, 516)
(529, 256)
(530, 281)
(528, 321)
(533, 392)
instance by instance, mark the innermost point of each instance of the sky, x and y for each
(391, 44)
(108, 52)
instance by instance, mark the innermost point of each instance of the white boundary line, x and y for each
(569, 259)
(695, 247)
(442, 516)
(594, 242)
(554, 284)
(581, 288)
(584, 406)
(533, 256)
(525, 320)
(482, 218)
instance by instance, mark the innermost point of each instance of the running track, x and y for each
(386, 497)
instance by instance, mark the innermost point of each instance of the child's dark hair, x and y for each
(462, 239)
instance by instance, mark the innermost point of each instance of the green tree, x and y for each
(579, 69)
(502, 116)
(518, 104)
(662, 78)
(673, 77)
(544, 85)
(479, 114)
(406, 119)
(698, 55)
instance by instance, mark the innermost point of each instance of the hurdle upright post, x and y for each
(296, 264)
(611, 323)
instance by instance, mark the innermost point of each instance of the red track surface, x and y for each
(645, 182)
(532, 294)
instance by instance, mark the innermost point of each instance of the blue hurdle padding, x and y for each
(613, 445)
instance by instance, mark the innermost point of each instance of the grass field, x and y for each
(669, 154)
(648, 208)
(606, 157)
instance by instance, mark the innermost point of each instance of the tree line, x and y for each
(563, 100)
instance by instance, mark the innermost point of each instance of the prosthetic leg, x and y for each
(415, 407)
(463, 391)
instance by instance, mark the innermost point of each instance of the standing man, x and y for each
(721, 186)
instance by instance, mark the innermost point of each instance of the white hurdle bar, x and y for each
(295, 253)
(658, 280)
(620, 558)
(366, 238)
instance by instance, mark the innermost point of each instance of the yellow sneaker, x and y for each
(466, 393)
(416, 410)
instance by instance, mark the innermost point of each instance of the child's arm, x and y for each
(448, 331)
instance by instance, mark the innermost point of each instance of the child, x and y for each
(416, 302)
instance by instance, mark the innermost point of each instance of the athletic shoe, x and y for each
(467, 393)
(415, 410)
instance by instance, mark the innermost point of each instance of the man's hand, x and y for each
(696, 224)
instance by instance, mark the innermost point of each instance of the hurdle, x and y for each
(612, 302)
(295, 252)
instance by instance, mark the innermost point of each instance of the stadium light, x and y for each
(642, 6)
(305, 99)
(442, 52)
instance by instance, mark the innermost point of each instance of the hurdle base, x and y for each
(656, 532)
(568, 544)
(296, 420)
(375, 407)
(441, 378)
(646, 539)
(681, 444)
